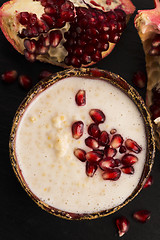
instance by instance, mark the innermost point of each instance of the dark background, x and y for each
(20, 217)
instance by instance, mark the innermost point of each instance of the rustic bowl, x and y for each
(114, 80)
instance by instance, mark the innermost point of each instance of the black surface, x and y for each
(20, 217)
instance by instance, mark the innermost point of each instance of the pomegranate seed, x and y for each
(139, 79)
(142, 215)
(97, 116)
(41, 48)
(103, 138)
(111, 174)
(42, 26)
(91, 142)
(117, 162)
(100, 152)
(80, 98)
(97, 56)
(129, 159)
(107, 162)
(154, 51)
(80, 154)
(78, 51)
(128, 170)
(94, 130)
(103, 46)
(132, 146)
(93, 156)
(31, 57)
(55, 38)
(25, 81)
(86, 58)
(49, 20)
(111, 15)
(110, 152)
(44, 74)
(120, 14)
(51, 10)
(114, 37)
(116, 141)
(23, 18)
(75, 62)
(122, 149)
(9, 76)
(90, 169)
(149, 182)
(113, 25)
(122, 224)
(156, 41)
(33, 19)
(113, 131)
(30, 45)
(77, 129)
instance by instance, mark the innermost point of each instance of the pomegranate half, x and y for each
(62, 32)
(147, 23)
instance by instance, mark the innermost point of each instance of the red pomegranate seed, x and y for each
(142, 215)
(149, 182)
(9, 76)
(154, 51)
(90, 169)
(107, 162)
(91, 142)
(42, 26)
(103, 138)
(80, 154)
(100, 152)
(33, 19)
(116, 141)
(113, 131)
(44, 74)
(110, 152)
(75, 62)
(156, 41)
(114, 37)
(25, 81)
(111, 174)
(128, 169)
(23, 18)
(31, 57)
(122, 224)
(129, 159)
(93, 130)
(97, 56)
(132, 146)
(139, 79)
(93, 156)
(97, 116)
(122, 149)
(80, 98)
(55, 38)
(117, 162)
(77, 129)
(120, 14)
(49, 20)
(30, 45)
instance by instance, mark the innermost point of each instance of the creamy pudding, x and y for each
(44, 145)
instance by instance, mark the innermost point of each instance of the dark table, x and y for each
(20, 217)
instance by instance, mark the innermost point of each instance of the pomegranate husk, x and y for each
(9, 26)
(147, 23)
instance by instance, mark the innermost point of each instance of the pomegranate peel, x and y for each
(65, 28)
(147, 23)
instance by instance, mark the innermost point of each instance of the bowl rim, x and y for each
(93, 73)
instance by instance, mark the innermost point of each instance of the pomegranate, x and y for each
(62, 32)
(147, 23)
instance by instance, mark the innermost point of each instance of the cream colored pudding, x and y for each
(44, 145)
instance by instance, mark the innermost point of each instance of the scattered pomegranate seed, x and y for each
(122, 224)
(129, 159)
(107, 162)
(113, 131)
(110, 152)
(97, 116)
(132, 146)
(111, 174)
(25, 81)
(9, 76)
(149, 182)
(93, 156)
(80, 154)
(117, 162)
(94, 130)
(139, 79)
(80, 98)
(91, 142)
(44, 74)
(122, 149)
(116, 141)
(128, 169)
(103, 138)
(142, 215)
(77, 129)
(90, 169)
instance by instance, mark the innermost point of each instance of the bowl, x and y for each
(92, 74)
